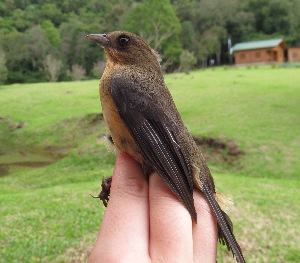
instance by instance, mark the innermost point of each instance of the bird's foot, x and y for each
(105, 192)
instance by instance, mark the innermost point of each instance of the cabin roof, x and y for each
(257, 44)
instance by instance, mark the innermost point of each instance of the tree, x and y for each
(37, 45)
(78, 72)
(188, 35)
(50, 12)
(278, 19)
(3, 68)
(30, 30)
(274, 16)
(98, 68)
(51, 33)
(75, 47)
(19, 20)
(157, 23)
(207, 24)
(295, 24)
(28, 17)
(52, 67)
(259, 9)
(187, 61)
(14, 46)
(6, 26)
(114, 17)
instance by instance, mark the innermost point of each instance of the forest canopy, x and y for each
(45, 40)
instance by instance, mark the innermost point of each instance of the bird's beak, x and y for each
(101, 39)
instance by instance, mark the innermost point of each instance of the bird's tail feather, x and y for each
(226, 236)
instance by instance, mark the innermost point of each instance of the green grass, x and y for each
(258, 108)
(47, 214)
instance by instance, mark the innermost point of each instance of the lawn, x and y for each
(51, 159)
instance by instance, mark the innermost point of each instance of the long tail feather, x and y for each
(226, 235)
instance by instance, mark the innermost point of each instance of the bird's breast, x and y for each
(121, 136)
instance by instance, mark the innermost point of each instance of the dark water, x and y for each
(21, 159)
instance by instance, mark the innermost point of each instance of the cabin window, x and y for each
(257, 54)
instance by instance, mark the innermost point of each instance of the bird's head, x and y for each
(126, 48)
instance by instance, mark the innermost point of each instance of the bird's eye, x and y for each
(123, 41)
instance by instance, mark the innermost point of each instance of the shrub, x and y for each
(187, 61)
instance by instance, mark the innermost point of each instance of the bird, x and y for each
(144, 122)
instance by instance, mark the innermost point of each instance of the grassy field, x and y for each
(51, 159)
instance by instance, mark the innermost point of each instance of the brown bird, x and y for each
(144, 122)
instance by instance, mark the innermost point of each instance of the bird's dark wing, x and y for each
(155, 133)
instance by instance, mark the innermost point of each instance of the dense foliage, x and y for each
(44, 40)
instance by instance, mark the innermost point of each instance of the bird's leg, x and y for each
(105, 192)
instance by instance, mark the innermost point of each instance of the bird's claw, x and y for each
(105, 192)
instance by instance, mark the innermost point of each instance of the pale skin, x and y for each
(145, 222)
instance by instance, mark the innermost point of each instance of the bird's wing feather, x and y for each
(155, 133)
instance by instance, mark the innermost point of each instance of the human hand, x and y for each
(145, 222)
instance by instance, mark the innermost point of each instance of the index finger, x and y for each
(125, 226)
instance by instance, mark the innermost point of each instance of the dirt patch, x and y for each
(93, 118)
(4, 170)
(91, 123)
(12, 125)
(57, 152)
(74, 128)
(219, 149)
(70, 132)
(16, 158)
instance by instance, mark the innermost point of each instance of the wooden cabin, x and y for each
(265, 51)
(294, 54)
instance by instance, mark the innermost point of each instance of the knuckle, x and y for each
(202, 205)
(132, 187)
